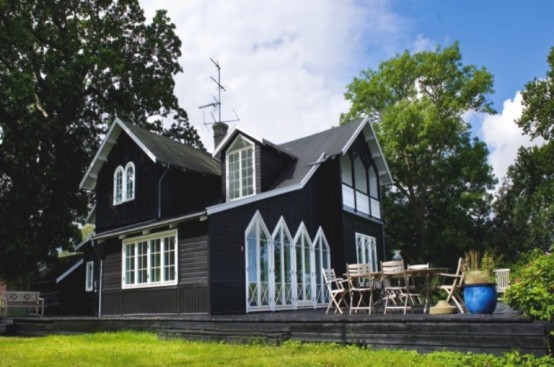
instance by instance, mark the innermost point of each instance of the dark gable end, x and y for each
(306, 156)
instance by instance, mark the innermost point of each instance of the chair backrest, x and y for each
(392, 267)
(330, 279)
(357, 274)
(460, 272)
(502, 279)
(356, 270)
(418, 266)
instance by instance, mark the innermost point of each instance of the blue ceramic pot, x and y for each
(480, 298)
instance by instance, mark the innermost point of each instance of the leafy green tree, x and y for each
(538, 101)
(438, 204)
(524, 210)
(67, 68)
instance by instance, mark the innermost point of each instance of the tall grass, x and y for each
(144, 349)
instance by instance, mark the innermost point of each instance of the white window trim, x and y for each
(123, 171)
(119, 169)
(369, 250)
(132, 197)
(319, 247)
(253, 147)
(148, 238)
(89, 276)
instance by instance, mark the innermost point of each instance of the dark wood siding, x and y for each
(190, 295)
(144, 205)
(270, 164)
(178, 191)
(317, 204)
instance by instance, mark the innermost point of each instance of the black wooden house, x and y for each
(245, 229)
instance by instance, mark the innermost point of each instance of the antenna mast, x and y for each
(216, 104)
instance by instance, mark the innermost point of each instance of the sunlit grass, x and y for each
(144, 349)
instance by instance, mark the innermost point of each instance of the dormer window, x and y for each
(240, 169)
(124, 184)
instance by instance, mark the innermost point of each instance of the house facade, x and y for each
(245, 229)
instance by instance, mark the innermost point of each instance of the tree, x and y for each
(524, 211)
(67, 68)
(538, 101)
(438, 203)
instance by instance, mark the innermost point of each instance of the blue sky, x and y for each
(286, 63)
(510, 38)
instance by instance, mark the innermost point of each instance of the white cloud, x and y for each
(286, 64)
(504, 137)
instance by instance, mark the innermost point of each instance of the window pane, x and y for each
(373, 186)
(155, 260)
(360, 175)
(130, 264)
(142, 262)
(346, 169)
(130, 184)
(169, 259)
(118, 185)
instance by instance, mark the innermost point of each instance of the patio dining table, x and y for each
(421, 273)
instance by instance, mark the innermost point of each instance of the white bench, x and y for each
(21, 299)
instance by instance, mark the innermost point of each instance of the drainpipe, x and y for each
(97, 252)
(160, 191)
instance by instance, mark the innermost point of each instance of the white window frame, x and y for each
(240, 152)
(118, 187)
(129, 179)
(312, 257)
(366, 251)
(123, 192)
(89, 276)
(149, 239)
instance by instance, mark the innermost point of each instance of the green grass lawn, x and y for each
(144, 349)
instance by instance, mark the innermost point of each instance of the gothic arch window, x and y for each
(129, 181)
(118, 185)
(124, 184)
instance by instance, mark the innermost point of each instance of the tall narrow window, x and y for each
(118, 185)
(282, 264)
(375, 206)
(360, 174)
(258, 264)
(240, 169)
(366, 250)
(322, 261)
(89, 277)
(129, 181)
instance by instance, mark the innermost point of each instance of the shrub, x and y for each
(533, 289)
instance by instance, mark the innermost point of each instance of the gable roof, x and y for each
(158, 148)
(311, 151)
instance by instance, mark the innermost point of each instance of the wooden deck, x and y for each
(495, 334)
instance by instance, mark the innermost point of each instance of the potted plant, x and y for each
(479, 288)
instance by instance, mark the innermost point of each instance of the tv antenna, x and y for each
(216, 104)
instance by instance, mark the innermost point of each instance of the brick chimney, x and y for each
(220, 130)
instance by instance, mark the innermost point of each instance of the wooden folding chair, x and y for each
(337, 291)
(360, 286)
(396, 285)
(412, 286)
(452, 284)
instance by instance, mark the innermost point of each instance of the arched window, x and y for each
(240, 169)
(304, 267)
(322, 261)
(118, 185)
(282, 264)
(129, 181)
(257, 264)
